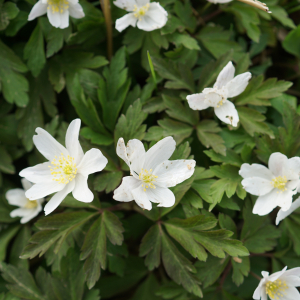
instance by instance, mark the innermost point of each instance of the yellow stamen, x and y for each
(279, 183)
(148, 179)
(276, 288)
(58, 6)
(64, 169)
(140, 12)
(31, 204)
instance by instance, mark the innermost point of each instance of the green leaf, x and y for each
(183, 39)
(96, 137)
(206, 132)
(5, 237)
(258, 92)
(6, 164)
(34, 52)
(54, 229)
(253, 121)
(14, 85)
(55, 41)
(179, 76)
(8, 11)
(241, 268)
(291, 42)
(281, 15)
(130, 126)
(231, 157)
(179, 268)
(185, 13)
(108, 181)
(16, 24)
(21, 283)
(151, 247)
(147, 289)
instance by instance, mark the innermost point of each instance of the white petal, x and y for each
(58, 198)
(227, 113)
(292, 184)
(26, 184)
(265, 274)
(293, 272)
(47, 145)
(161, 195)
(291, 280)
(276, 275)
(159, 152)
(81, 191)
(156, 17)
(291, 293)
(283, 214)
(38, 10)
(212, 98)
(292, 168)
(136, 154)
(20, 212)
(123, 192)
(141, 198)
(40, 190)
(39, 173)
(72, 141)
(92, 162)
(16, 197)
(122, 152)
(225, 76)
(238, 84)
(265, 204)
(126, 21)
(263, 295)
(285, 199)
(33, 213)
(54, 18)
(276, 163)
(173, 172)
(141, 3)
(197, 101)
(257, 292)
(257, 186)
(76, 11)
(219, 1)
(125, 4)
(64, 19)
(255, 170)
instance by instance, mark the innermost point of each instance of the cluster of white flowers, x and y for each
(68, 168)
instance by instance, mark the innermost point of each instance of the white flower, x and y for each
(66, 170)
(279, 286)
(274, 186)
(226, 86)
(28, 208)
(283, 214)
(58, 11)
(147, 16)
(219, 1)
(152, 173)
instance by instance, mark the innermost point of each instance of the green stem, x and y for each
(105, 5)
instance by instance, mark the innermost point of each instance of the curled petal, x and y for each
(227, 113)
(141, 198)
(197, 101)
(38, 10)
(161, 195)
(76, 11)
(122, 152)
(123, 192)
(136, 154)
(126, 21)
(283, 214)
(238, 84)
(81, 191)
(225, 76)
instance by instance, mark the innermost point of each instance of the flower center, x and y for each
(31, 204)
(279, 183)
(63, 169)
(274, 289)
(140, 12)
(58, 5)
(148, 179)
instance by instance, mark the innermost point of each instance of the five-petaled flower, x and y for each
(143, 14)
(226, 86)
(58, 11)
(151, 173)
(28, 209)
(275, 185)
(66, 170)
(279, 286)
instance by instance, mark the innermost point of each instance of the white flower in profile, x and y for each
(151, 173)
(283, 214)
(275, 185)
(226, 86)
(58, 11)
(279, 286)
(219, 1)
(66, 170)
(28, 209)
(143, 14)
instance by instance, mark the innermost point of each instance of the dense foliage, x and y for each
(209, 244)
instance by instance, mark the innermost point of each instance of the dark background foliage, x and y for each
(209, 244)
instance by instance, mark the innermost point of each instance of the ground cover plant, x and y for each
(149, 150)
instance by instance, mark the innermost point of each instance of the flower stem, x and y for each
(256, 276)
(105, 5)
